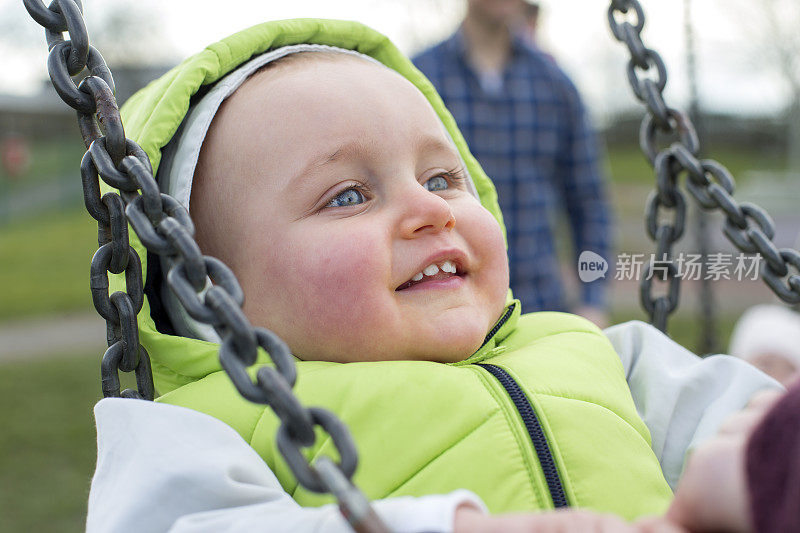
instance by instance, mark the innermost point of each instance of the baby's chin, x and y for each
(440, 350)
(452, 348)
(443, 342)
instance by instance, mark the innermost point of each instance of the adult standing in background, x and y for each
(530, 20)
(526, 125)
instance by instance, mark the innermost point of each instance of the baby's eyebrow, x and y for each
(431, 142)
(301, 178)
(333, 156)
(351, 147)
(422, 142)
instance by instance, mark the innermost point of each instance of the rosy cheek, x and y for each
(341, 278)
(485, 239)
(485, 236)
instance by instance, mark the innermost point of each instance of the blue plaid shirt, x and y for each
(530, 133)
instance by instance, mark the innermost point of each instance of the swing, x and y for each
(165, 229)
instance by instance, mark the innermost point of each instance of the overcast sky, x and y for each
(732, 78)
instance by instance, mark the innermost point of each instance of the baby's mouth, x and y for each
(433, 272)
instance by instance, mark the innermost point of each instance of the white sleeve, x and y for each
(167, 468)
(682, 398)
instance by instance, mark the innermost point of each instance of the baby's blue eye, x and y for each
(347, 197)
(437, 183)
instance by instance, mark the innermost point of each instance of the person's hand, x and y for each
(712, 494)
(470, 520)
(594, 314)
(741, 424)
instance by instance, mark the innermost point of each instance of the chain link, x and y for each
(205, 286)
(747, 225)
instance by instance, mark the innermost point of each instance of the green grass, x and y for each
(626, 164)
(45, 263)
(47, 442)
(684, 326)
(48, 160)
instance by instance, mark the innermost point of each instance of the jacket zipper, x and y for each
(540, 445)
(500, 323)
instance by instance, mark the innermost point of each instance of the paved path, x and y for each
(53, 335)
(85, 331)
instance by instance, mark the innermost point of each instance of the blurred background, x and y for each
(745, 86)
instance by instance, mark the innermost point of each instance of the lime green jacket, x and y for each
(540, 416)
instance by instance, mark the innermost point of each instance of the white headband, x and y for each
(767, 329)
(180, 156)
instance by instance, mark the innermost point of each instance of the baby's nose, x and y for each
(426, 212)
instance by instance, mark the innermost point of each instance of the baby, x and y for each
(341, 194)
(356, 215)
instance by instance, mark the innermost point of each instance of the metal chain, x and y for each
(165, 228)
(747, 225)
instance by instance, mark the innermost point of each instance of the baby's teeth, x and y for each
(430, 270)
(447, 266)
(417, 276)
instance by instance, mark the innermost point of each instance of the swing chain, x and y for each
(665, 230)
(206, 287)
(67, 58)
(747, 226)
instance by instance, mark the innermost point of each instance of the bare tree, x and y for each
(126, 32)
(130, 33)
(771, 27)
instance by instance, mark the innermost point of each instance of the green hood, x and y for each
(153, 115)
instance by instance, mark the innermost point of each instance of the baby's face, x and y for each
(776, 365)
(330, 187)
